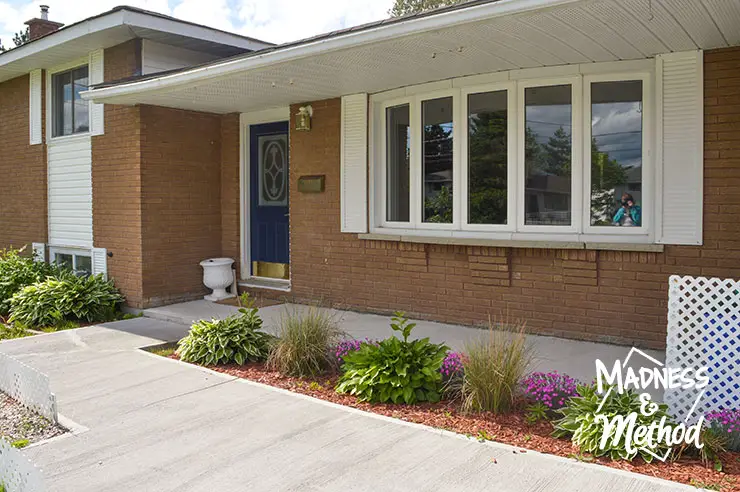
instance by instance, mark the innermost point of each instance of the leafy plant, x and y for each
(18, 270)
(395, 370)
(238, 338)
(305, 343)
(493, 368)
(346, 346)
(8, 332)
(536, 412)
(551, 389)
(726, 422)
(58, 300)
(20, 443)
(579, 422)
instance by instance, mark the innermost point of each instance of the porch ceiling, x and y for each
(491, 37)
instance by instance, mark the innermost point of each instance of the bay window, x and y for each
(536, 159)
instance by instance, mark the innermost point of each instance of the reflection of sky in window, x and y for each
(544, 121)
(617, 128)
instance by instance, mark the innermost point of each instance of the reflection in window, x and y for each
(437, 160)
(616, 153)
(64, 260)
(547, 155)
(487, 158)
(398, 140)
(70, 111)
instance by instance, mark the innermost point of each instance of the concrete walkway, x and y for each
(161, 425)
(575, 358)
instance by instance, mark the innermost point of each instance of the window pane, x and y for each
(616, 153)
(398, 140)
(81, 107)
(547, 155)
(437, 160)
(487, 157)
(62, 104)
(63, 260)
(83, 266)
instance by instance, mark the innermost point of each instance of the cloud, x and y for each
(277, 21)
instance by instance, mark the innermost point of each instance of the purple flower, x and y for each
(452, 366)
(549, 388)
(346, 346)
(726, 421)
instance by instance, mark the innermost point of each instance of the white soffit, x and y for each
(510, 34)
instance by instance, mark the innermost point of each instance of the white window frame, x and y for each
(515, 82)
(648, 166)
(85, 61)
(75, 252)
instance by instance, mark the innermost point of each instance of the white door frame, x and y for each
(246, 120)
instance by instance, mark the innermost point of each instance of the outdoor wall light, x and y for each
(303, 119)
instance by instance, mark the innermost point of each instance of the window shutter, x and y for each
(100, 262)
(354, 163)
(39, 251)
(34, 105)
(680, 170)
(96, 77)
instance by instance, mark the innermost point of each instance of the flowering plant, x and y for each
(726, 422)
(452, 366)
(551, 389)
(349, 345)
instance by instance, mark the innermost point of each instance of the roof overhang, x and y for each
(115, 27)
(481, 38)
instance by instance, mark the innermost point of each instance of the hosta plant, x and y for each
(236, 339)
(56, 301)
(394, 370)
(579, 422)
(18, 270)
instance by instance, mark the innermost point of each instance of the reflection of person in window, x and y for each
(629, 215)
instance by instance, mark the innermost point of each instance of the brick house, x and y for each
(555, 160)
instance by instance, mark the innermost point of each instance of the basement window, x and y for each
(70, 113)
(80, 262)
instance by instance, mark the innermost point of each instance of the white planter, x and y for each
(217, 276)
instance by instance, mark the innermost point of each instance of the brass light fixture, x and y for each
(303, 119)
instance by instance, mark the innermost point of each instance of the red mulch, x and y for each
(511, 429)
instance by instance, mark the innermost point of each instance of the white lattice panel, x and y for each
(704, 331)
(27, 386)
(18, 474)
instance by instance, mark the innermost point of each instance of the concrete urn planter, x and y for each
(217, 276)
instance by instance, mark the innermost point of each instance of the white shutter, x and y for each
(34, 107)
(680, 169)
(39, 251)
(96, 77)
(100, 262)
(354, 163)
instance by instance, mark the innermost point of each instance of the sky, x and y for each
(277, 21)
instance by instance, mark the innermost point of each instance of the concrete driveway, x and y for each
(159, 425)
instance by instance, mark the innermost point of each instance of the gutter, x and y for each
(350, 39)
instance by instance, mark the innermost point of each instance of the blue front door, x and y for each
(268, 186)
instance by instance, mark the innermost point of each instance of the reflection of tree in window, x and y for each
(437, 160)
(487, 149)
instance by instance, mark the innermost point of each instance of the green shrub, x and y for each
(394, 370)
(580, 424)
(18, 271)
(8, 332)
(57, 301)
(238, 338)
(306, 339)
(494, 367)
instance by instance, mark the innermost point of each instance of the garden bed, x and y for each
(512, 428)
(21, 426)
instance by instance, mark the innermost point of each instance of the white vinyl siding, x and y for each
(70, 192)
(97, 115)
(353, 158)
(681, 166)
(157, 57)
(34, 105)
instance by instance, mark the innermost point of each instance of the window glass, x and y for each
(547, 155)
(64, 260)
(616, 153)
(437, 160)
(83, 265)
(398, 144)
(70, 111)
(487, 157)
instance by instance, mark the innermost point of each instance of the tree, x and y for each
(606, 175)
(406, 7)
(20, 38)
(488, 166)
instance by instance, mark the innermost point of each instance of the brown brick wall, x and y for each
(606, 296)
(181, 201)
(23, 202)
(230, 204)
(116, 183)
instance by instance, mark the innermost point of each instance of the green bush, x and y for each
(580, 424)
(8, 332)
(305, 343)
(494, 367)
(394, 370)
(57, 301)
(18, 271)
(237, 338)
